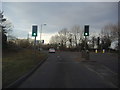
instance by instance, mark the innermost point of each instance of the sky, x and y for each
(60, 0)
(58, 15)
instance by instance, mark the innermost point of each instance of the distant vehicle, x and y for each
(51, 50)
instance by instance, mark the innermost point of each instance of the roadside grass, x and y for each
(16, 64)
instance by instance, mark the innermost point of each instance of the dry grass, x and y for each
(17, 64)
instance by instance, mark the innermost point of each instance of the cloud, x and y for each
(61, 1)
(60, 15)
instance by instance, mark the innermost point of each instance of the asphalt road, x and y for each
(62, 70)
(110, 60)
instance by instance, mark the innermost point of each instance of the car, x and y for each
(51, 50)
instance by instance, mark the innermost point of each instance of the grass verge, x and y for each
(16, 64)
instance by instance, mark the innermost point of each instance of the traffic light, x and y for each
(98, 41)
(70, 40)
(86, 30)
(59, 44)
(1, 17)
(42, 41)
(34, 30)
(3, 20)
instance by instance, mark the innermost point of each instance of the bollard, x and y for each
(103, 51)
(96, 51)
(87, 55)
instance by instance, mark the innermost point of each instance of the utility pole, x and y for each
(41, 34)
(28, 37)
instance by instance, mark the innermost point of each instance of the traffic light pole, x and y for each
(34, 34)
(86, 33)
(35, 43)
(85, 42)
(86, 52)
(35, 48)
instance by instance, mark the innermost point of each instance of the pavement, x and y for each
(65, 70)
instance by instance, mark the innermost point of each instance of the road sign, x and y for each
(86, 30)
(34, 30)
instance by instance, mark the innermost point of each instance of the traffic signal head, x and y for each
(42, 41)
(86, 34)
(86, 30)
(34, 30)
(3, 20)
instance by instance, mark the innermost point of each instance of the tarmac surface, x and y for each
(66, 70)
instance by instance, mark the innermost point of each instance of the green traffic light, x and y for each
(34, 30)
(86, 34)
(86, 30)
(34, 34)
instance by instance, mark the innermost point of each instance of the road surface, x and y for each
(110, 60)
(62, 70)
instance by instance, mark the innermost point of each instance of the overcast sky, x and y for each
(59, 15)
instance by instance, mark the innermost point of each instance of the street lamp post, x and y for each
(41, 34)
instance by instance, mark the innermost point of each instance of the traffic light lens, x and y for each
(34, 34)
(86, 34)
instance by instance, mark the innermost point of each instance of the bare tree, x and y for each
(110, 31)
(55, 39)
(67, 37)
(63, 34)
(5, 27)
(109, 34)
(77, 34)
